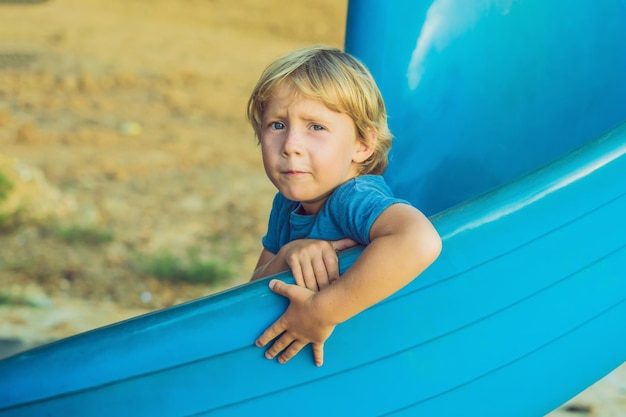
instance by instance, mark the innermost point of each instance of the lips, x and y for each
(293, 172)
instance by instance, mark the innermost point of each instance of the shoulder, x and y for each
(362, 197)
(356, 204)
(373, 185)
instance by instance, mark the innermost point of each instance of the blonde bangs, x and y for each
(339, 81)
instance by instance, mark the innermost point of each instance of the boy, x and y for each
(322, 126)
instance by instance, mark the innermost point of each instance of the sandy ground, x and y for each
(131, 115)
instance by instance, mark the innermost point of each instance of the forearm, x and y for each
(269, 264)
(403, 244)
(387, 264)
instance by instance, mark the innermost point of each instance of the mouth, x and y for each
(293, 173)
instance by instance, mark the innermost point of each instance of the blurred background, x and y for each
(129, 178)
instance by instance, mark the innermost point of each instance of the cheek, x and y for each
(266, 155)
(270, 155)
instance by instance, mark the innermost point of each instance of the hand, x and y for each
(314, 263)
(297, 327)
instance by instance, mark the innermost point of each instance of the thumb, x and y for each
(343, 244)
(291, 291)
(281, 288)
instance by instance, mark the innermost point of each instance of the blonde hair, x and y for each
(339, 81)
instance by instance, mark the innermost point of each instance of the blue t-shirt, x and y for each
(349, 212)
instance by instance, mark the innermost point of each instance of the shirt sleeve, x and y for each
(356, 207)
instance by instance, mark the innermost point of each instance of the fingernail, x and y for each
(272, 284)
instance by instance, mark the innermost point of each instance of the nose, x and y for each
(292, 144)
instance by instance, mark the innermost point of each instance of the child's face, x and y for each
(308, 149)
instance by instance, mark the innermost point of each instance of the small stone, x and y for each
(145, 297)
(131, 128)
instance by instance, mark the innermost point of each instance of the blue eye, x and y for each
(277, 125)
(317, 127)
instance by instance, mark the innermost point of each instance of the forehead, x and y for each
(288, 92)
(287, 98)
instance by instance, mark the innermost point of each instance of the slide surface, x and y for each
(507, 116)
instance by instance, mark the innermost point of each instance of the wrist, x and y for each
(327, 311)
(273, 266)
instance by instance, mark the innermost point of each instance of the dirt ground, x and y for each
(126, 117)
(131, 113)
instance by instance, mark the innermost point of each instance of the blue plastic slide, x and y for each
(509, 117)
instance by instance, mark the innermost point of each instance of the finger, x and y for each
(318, 354)
(279, 326)
(343, 244)
(297, 272)
(290, 291)
(309, 275)
(279, 287)
(291, 351)
(321, 273)
(278, 346)
(331, 265)
(271, 333)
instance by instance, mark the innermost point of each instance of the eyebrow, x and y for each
(307, 117)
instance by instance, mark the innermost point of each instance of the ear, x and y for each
(365, 146)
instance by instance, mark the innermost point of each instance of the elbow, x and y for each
(427, 247)
(435, 247)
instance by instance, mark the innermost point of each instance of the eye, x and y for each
(317, 127)
(277, 125)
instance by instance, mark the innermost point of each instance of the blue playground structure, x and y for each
(510, 125)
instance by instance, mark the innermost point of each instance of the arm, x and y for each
(313, 262)
(401, 236)
(268, 264)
